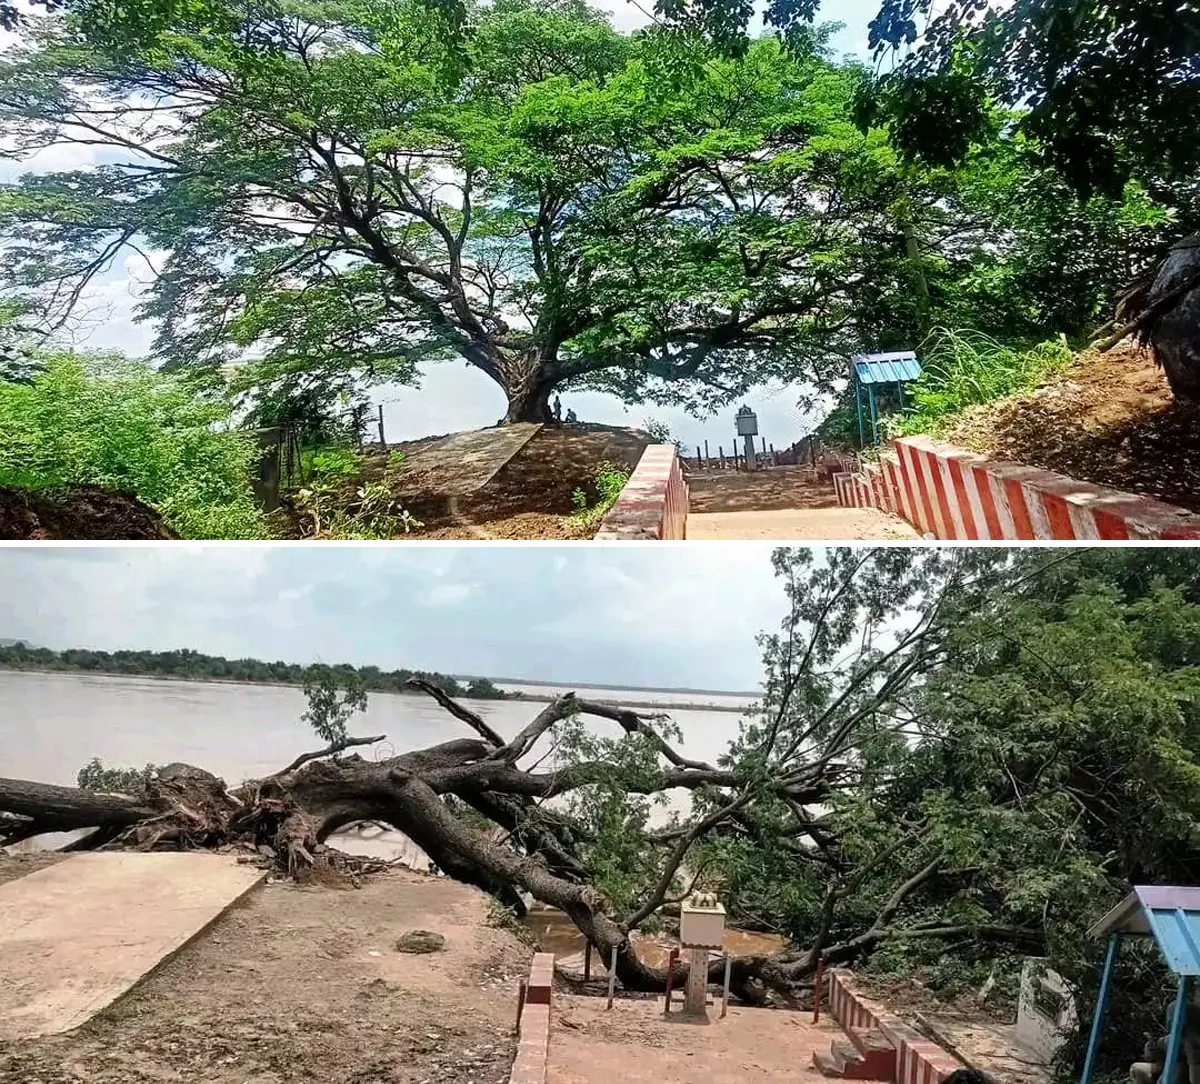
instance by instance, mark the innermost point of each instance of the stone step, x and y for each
(846, 1061)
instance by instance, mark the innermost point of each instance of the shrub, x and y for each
(108, 421)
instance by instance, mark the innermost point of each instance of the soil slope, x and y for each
(305, 984)
(530, 496)
(78, 512)
(1109, 419)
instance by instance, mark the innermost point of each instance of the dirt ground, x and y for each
(304, 984)
(13, 866)
(1110, 419)
(535, 526)
(87, 513)
(774, 488)
(636, 1044)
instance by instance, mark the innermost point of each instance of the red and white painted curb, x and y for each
(951, 493)
(654, 503)
(918, 1060)
(533, 1045)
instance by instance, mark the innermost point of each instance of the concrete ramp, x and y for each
(462, 463)
(77, 935)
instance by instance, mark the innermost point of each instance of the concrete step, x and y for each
(869, 1041)
(847, 1062)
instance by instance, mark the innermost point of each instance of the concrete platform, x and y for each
(799, 524)
(462, 463)
(77, 935)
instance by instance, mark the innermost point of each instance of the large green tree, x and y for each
(347, 187)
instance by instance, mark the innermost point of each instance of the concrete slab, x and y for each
(462, 463)
(77, 935)
(808, 524)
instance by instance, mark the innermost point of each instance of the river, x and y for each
(51, 724)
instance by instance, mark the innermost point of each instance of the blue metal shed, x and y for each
(1171, 915)
(870, 370)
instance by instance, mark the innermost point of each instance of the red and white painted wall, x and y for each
(951, 493)
(654, 503)
(918, 1059)
(533, 1042)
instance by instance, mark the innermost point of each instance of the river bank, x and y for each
(517, 696)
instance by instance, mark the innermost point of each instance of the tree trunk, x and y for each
(285, 818)
(529, 403)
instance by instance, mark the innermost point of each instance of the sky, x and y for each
(660, 617)
(452, 397)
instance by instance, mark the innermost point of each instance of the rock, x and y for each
(420, 941)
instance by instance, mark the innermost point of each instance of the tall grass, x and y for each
(963, 368)
(117, 423)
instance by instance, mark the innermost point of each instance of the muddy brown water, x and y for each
(52, 724)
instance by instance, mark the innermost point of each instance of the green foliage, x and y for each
(333, 698)
(337, 502)
(1105, 94)
(1043, 757)
(186, 664)
(609, 481)
(615, 817)
(482, 689)
(962, 368)
(95, 776)
(116, 423)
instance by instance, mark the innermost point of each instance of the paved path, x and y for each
(462, 463)
(832, 524)
(77, 935)
(636, 1044)
(780, 503)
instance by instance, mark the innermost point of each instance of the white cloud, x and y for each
(447, 594)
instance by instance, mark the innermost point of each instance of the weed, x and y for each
(962, 368)
(609, 480)
(104, 420)
(337, 508)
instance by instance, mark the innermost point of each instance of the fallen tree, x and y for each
(897, 785)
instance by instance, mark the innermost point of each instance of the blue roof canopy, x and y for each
(1170, 914)
(892, 368)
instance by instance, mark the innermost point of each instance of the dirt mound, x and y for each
(1109, 419)
(537, 481)
(77, 512)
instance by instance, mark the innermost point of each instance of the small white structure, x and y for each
(701, 929)
(702, 923)
(1046, 1010)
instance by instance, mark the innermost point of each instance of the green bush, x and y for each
(107, 421)
(609, 481)
(962, 368)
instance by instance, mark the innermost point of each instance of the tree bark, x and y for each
(425, 793)
(529, 403)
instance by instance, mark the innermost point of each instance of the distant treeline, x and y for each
(196, 666)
